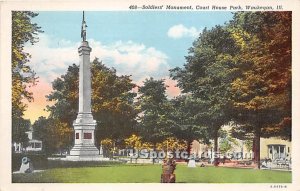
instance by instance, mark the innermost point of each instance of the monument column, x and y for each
(84, 125)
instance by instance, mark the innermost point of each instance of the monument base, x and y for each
(85, 152)
(85, 158)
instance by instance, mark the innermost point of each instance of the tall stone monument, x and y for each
(84, 125)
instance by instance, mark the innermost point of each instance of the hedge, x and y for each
(40, 162)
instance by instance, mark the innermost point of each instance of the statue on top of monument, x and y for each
(83, 29)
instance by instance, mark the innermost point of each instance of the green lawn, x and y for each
(151, 174)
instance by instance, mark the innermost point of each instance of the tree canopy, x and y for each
(154, 124)
(207, 75)
(23, 31)
(262, 89)
(241, 72)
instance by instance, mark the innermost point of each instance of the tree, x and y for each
(112, 101)
(262, 90)
(134, 142)
(154, 125)
(227, 142)
(56, 136)
(65, 95)
(207, 76)
(108, 147)
(171, 144)
(19, 131)
(39, 127)
(23, 31)
(225, 146)
(184, 123)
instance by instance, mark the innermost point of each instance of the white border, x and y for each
(123, 5)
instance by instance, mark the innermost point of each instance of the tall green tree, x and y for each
(19, 131)
(262, 91)
(154, 125)
(184, 123)
(207, 76)
(112, 101)
(39, 128)
(65, 95)
(23, 31)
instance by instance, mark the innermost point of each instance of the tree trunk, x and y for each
(216, 160)
(189, 142)
(256, 149)
(154, 149)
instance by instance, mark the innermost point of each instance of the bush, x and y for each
(40, 162)
(77, 164)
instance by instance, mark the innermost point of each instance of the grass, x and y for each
(151, 174)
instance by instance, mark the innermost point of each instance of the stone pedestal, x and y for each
(84, 127)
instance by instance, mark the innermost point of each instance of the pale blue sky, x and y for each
(148, 28)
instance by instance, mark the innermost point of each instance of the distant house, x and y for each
(33, 144)
(275, 148)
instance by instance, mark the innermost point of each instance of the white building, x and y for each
(33, 144)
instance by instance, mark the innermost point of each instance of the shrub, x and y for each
(76, 164)
(40, 162)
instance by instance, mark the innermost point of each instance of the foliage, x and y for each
(56, 135)
(225, 145)
(206, 77)
(134, 142)
(65, 96)
(147, 145)
(39, 128)
(242, 71)
(112, 102)
(108, 146)
(19, 131)
(154, 125)
(262, 88)
(23, 77)
(248, 143)
(228, 142)
(171, 144)
(183, 117)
